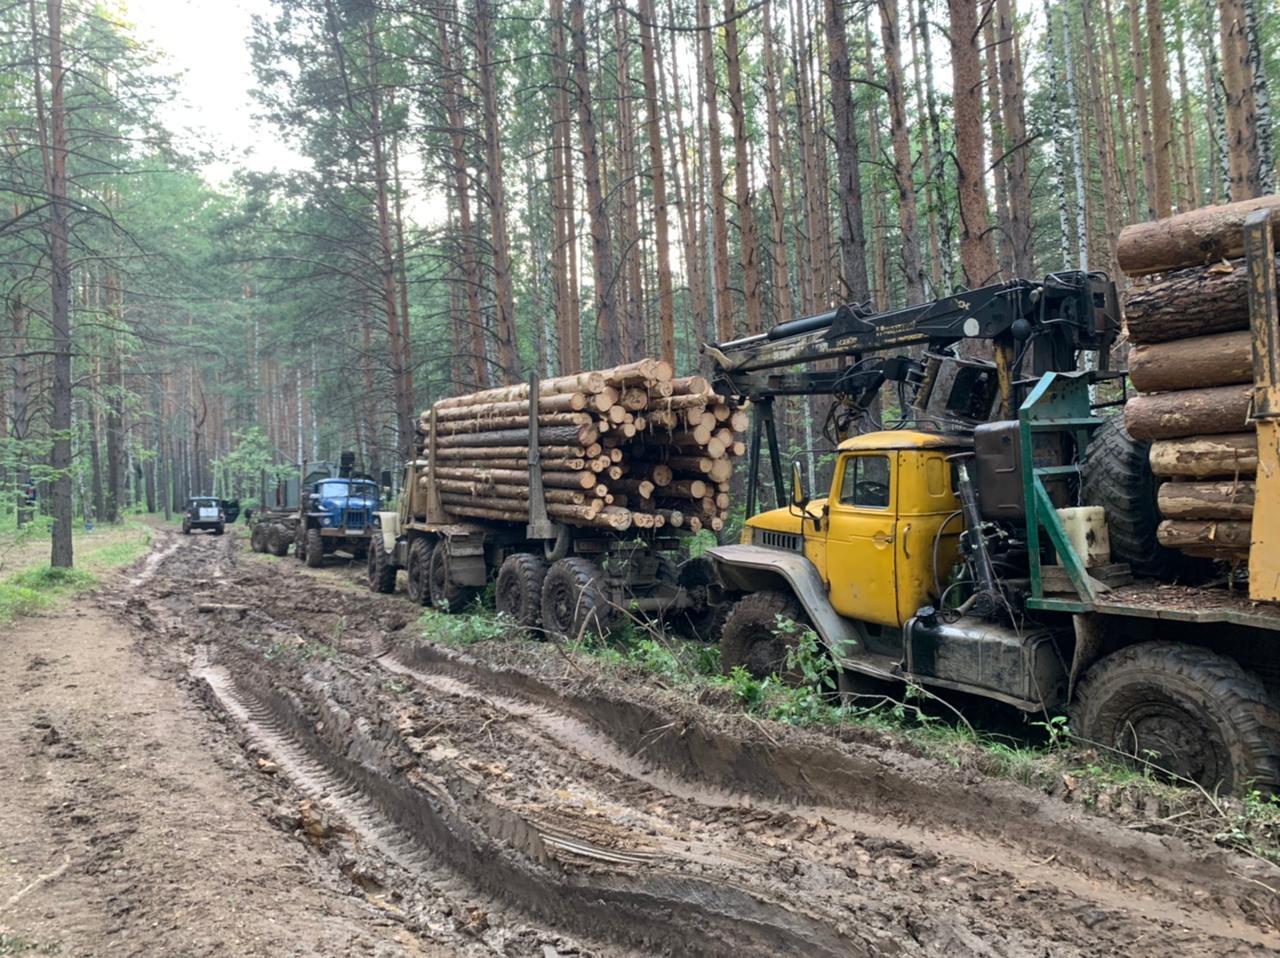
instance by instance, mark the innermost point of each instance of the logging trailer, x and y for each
(558, 568)
(971, 555)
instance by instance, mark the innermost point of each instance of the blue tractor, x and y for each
(335, 514)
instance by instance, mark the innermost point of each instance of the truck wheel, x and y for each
(186, 527)
(445, 594)
(315, 548)
(219, 529)
(258, 538)
(1188, 710)
(277, 540)
(419, 569)
(518, 592)
(705, 620)
(573, 603)
(751, 638)
(1116, 474)
(381, 573)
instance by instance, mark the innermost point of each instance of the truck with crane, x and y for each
(996, 536)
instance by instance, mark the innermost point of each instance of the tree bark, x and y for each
(666, 303)
(912, 269)
(504, 287)
(853, 241)
(719, 221)
(999, 172)
(1203, 457)
(1161, 110)
(939, 157)
(781, 279)
(977, 253)
(630, 242)
(1122, 115)
(1237, 79)
(1218, 540)
(1137, 51)
(601, 244)
(1193, 238)
(1225, 499)
(749, 243)
(1191, 412)
(1196, 363)
(1261, 100)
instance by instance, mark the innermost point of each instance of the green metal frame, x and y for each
(1058, 403)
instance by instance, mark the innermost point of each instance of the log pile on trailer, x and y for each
(632, 447)
(1191, 362)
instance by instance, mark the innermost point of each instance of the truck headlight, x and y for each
(326, 521)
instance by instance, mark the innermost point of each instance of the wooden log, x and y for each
(1203, 457)
(1191, 412)
(739, 448)
(604, 400)
(516, 477)
(674, 517)
(1196, 363)
(634, 399)
(549, 436)
(636, 487)
(560, 402)
(1226, 499)
(589, 382)
(549, 464)
(1195, 237)
(739, 421)
(517, 508)
(685, 488)
(617, 523)
(722, 501)
(513, 452)
(721, 469)
(1189, 302)
(453, 427)
(722, 412)
(569, 497)
(694, 464)
(1205, 537)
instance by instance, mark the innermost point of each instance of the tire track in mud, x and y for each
(899, 880)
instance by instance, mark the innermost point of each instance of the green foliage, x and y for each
(462, 628)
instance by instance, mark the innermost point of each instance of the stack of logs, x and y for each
(622, 448)
(1191, 361)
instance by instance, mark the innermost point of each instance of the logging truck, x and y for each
(1011, 541)
(570, 494)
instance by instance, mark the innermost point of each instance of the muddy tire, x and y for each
(1205, 718)
(518, 591)
(300, 543)
(705, 621)
(380, 573)
(258, 538)
(277, 540)
(186, 527)
(219, 529)
(1116, 474)
(445, 594)
(573, 600)
(315, 548)
(419, 569)
(751, 638)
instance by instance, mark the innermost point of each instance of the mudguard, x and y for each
(389, 527)
(748, 568)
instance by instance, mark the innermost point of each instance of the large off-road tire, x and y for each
(300, 543)
(1187, 710)
(1116, 474)
(315, 548)
(219, 529)
(574, 603)
(186, 527)
(419, 568)
(277, 540)
(705, 620)
(258, 538)
(518, 591)
(445, 594)
(751, 637)
(381, 574)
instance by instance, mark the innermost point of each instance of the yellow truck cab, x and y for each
(858, 563)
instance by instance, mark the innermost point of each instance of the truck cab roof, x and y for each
(904, 439)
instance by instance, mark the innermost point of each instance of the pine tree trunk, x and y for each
(853, 241)
(1161, 110)
(629, 238)
(1077, 153)
(977, 253)
(1138, 59)
(1190, 179)
(1261, 100)
(563, 302)
(666, 306)
(882, 293)
(601, 244)
(781, 281)
(1124, 127)
(939, 157)
(926, 160)
(1100, 102)
(912, 269)
(1000, 181)
(719, 221)
(1216, 107)
(749, 244)
(1237, 78)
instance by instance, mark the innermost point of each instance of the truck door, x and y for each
(862, 529)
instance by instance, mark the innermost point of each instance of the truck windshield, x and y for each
(337, 488)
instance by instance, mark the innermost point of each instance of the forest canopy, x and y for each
(500, 187)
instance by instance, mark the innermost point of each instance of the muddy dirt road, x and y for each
(274, 755)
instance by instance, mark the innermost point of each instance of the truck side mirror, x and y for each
(799, 495)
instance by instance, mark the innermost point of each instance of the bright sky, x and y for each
(204, 43)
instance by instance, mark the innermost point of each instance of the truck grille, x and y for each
(777, 540)
(355, 519)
